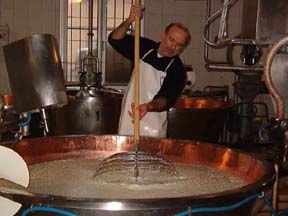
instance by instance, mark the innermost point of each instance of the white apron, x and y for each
(154, 124)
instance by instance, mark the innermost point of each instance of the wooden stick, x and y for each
(136, 80)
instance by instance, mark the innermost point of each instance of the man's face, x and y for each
(172, 43)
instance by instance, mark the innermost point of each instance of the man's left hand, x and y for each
(143, 109)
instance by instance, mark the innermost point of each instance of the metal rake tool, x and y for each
(136, 160)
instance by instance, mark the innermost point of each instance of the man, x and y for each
(162, 75)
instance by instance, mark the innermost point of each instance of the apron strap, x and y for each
(147, 53)
(167, 67)
(172, 60)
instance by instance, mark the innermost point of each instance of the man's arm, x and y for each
(156, 105)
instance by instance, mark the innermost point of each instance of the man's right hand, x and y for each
(135, 11)
(120, 32)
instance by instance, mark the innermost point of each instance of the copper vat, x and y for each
(198, 119)
(258, 174)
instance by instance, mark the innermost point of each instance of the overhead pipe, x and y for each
(90, 27)
(89, 64)
(280, 105)
(280, 110)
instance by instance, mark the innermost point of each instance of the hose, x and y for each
(192, 211)
(27, 120)
(236, 205)
(219, 209)
(47, 209)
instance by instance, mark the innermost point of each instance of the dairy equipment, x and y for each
(35, 75)
(35, 72)
(263, 23)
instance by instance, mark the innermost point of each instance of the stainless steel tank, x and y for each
(35, 72)
(258, 174)
(94, 111)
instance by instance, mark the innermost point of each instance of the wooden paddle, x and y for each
(136, 80)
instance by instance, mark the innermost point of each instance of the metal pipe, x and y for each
(231, 67)
(22, 123)
(80, 37)
(213, 64)
(237, 41)
(275, 188)
(280, 105)
(208, 11)
(210, 20)
(90, 27)
(99, 34)
(207, 35)
(44, 118)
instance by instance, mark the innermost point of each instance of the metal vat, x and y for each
(35, 72)
(87, 112)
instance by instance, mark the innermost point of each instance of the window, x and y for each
(75, 43)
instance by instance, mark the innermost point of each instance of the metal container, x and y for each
(272, 20)
(258, 175)
(7, 100)
(198, 119)
(35, 72)
(87, 112)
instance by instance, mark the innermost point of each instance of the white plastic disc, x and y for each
(12, 168)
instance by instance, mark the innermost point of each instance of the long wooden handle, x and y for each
(136, 79)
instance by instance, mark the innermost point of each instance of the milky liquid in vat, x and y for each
(74, 178)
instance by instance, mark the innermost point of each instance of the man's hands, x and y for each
(121, 30)
(135, 11)
(156, 105)
(143, 109)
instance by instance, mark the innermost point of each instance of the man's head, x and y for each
(174, 40)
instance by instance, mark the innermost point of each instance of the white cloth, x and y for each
(154, 124)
